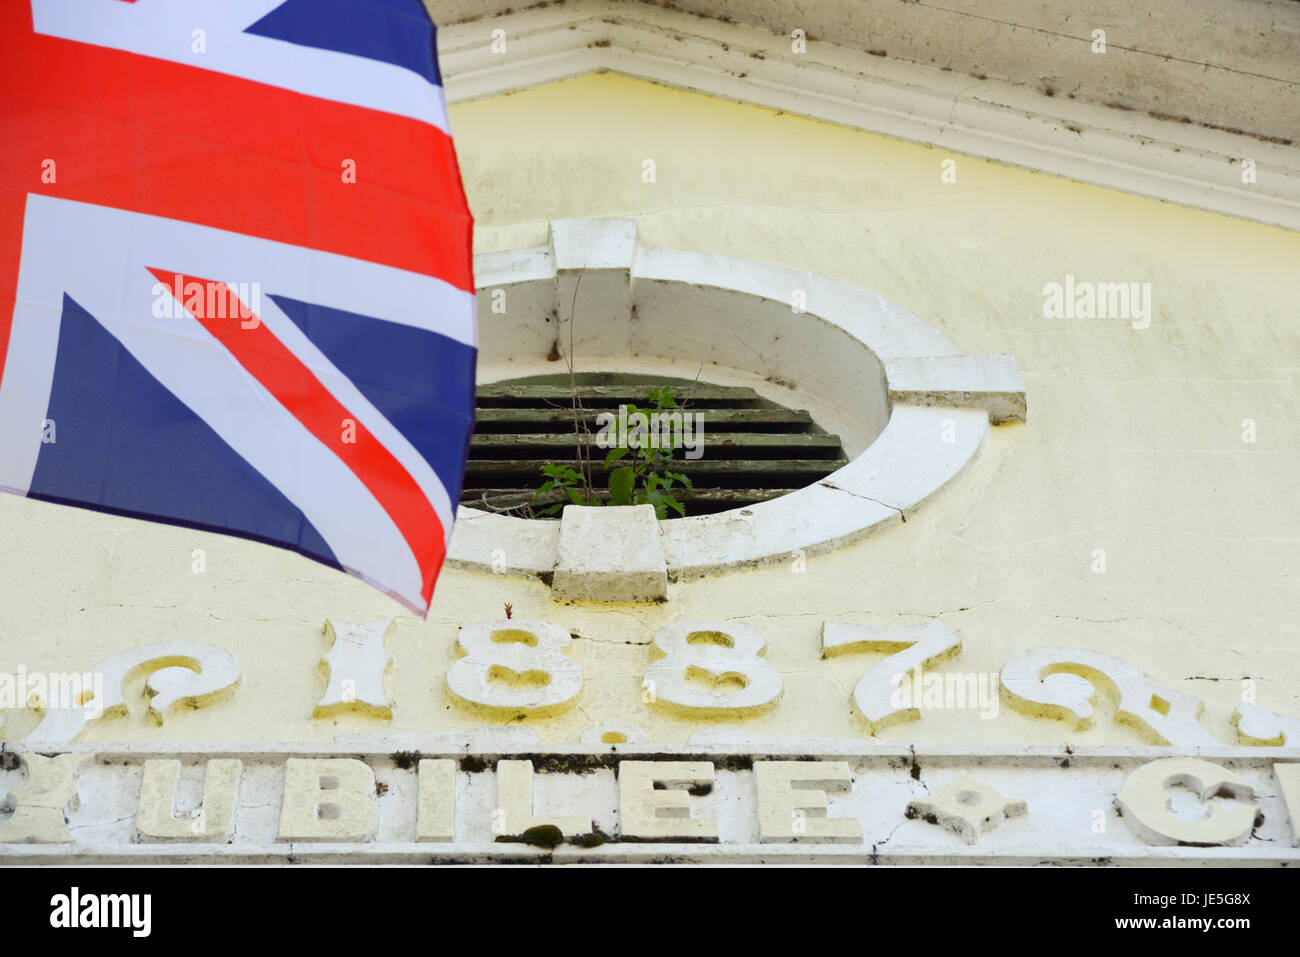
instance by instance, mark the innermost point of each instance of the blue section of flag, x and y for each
(394, 31)
(123, 443)
(420, 381)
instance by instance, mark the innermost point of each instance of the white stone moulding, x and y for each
(914, 407)
(1095, 805)
(1182, 163)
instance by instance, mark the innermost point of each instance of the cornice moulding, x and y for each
(1177, 162)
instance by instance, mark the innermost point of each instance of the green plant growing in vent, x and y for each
(646, 479)
(566, 479)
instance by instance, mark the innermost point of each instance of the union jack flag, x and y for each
(236, 286)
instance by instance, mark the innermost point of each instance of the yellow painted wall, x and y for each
(1133, 446)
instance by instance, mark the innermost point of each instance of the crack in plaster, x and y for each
(838, 488)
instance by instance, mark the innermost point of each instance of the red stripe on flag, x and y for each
(174, 140)
(296, 387)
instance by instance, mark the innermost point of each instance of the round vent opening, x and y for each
(737, 447)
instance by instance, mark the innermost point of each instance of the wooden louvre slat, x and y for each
(716, 498)
(524, 395)
(548, 445)
(561, 420)
(725, 473)
(753, 450)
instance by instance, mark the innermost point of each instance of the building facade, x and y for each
(1044, 293)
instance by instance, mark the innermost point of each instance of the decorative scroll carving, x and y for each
(1060, 682)
(184, 673)
(1259, 726)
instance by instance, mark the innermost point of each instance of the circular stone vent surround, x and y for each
(912, 409)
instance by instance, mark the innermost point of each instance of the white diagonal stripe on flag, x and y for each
(164, 29)
(106, 249)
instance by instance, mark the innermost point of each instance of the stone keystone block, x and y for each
(990, 382)
(593, 272)
(610, 553)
